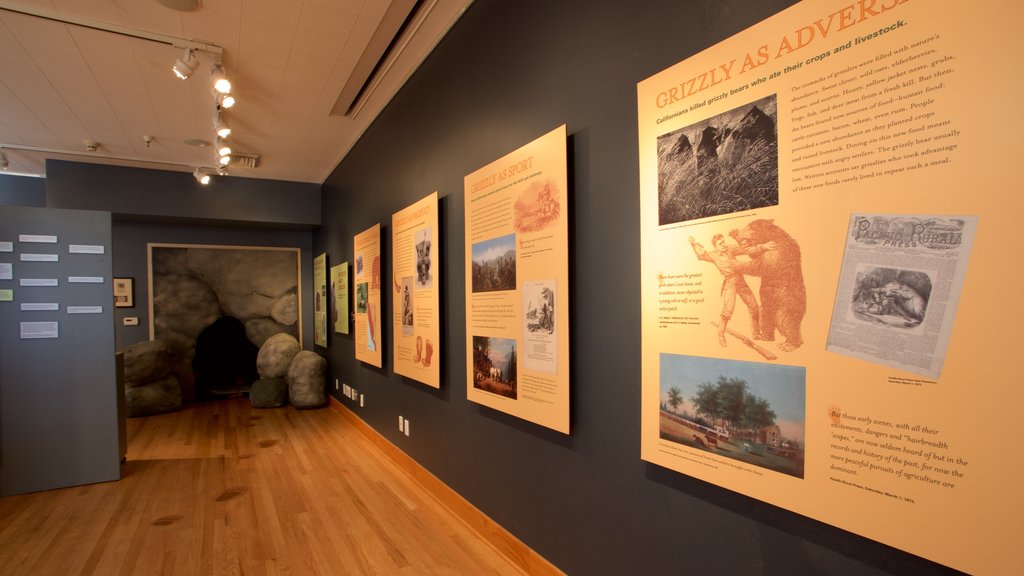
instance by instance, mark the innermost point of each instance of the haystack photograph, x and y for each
(724, 164)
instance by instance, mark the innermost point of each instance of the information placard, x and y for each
(367, 297)
(415, 290)
(320, 300)
(827, 211)
(517, 283)
(339, 288)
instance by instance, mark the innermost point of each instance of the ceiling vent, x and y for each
(244, 160)
(397, 26)
(182, 5)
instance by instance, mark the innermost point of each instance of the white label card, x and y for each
(39, 306)
(86, 249)
(31, 330)
(38, 282)
(37, 239)
(40, 258)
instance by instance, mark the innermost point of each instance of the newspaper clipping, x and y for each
(898, 290)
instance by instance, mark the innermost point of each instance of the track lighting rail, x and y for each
(217, 51)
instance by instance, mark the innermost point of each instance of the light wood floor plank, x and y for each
(220, 488)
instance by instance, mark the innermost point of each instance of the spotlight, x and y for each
(219, 80)
(201, 176)
(225, 100)
(4, 162)
(184, 67)
(223, 149)
(221, 127)
(224, 159)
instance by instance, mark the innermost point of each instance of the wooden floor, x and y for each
(220, 488)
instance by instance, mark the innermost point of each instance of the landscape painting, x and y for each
(747, 411)
(494, 264)
(494, 365)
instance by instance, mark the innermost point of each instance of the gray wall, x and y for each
(507, 73)
(176, 196)
(22, 191)
(59, 423)
(159, 206)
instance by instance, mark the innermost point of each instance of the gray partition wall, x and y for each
(59, 419)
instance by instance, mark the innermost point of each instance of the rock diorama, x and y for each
(306, 379)
(193, 287)
(269, 393)
(276, 355)
(150, 385)
(224, 361)
(272, 363)
(288, 375)
(225, 322)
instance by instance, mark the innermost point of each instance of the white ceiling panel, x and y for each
(63, 82)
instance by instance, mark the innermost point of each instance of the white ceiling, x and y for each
(62, 85)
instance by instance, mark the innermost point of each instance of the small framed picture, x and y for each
(124, 292)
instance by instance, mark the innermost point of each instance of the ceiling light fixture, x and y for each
(184, 67)
(201, 176)
(219, 79)
(221, 127)
(224, 100)
(223, 148)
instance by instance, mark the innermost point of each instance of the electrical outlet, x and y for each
(335, 383)
(406, 426)
(361, 403)
(401, 423)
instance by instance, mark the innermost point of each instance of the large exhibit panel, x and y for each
(517, 283)
(367, 254)
(416, 318)
(59, 388)
(826, 295)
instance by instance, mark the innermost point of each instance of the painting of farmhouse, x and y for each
(746, 411)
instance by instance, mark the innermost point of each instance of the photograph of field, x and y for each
(494, 264)
(727, 163)
(746, 411)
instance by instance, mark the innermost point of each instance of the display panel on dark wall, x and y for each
(320, 300)
(367, 280)
(339, 298)
(416, 289)
(232, 298)
(812, 324)
(517, 278)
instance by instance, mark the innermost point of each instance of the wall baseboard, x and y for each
(502, 540)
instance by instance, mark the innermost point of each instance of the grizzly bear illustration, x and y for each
(775, 258)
